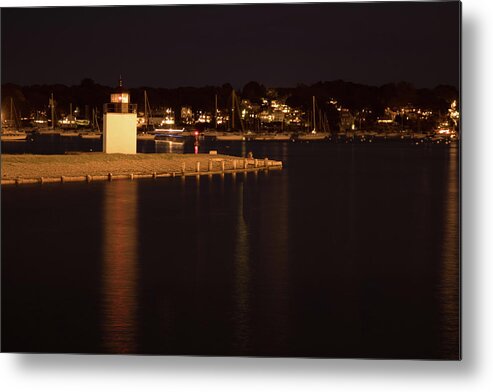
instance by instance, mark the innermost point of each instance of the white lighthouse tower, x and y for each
(120, 123)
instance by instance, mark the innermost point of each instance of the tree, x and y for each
(87, 83)
(254, 91)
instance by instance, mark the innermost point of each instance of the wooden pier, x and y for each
(203, 164)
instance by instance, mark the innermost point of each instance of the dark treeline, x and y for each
(355, 97)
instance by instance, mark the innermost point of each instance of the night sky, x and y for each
(277, 45)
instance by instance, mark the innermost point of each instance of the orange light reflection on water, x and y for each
(449, 284)
(120, 267)
(242, 279)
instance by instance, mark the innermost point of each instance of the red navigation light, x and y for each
(196, 133)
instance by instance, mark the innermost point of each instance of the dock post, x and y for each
(255, 163)
(110, 176)
(234, 164)
(131, 175)
(266, 163)
(41, 180)
(222, 166)
(154, 175)
(198, 167)
(88, 178)
(62, 179)
(245, 163)
(210, 165)
(183, 168)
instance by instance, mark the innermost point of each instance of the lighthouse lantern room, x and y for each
(120, 123)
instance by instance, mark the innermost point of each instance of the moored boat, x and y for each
(313, 136)
(230, 137)
(273, 137)
(13, 136)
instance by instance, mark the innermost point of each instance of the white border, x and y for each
(89, 373)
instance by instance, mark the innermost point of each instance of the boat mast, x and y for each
(232, 109)
(239, 114)
(215, 111)
(52, 104)
(146, 117)
(95, 123)
(12, 110)
(314, 116)
(14, 122)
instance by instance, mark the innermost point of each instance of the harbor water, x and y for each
(351, 250)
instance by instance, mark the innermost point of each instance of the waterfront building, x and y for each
(186, 115)
(168, 117)
(204, 117)
(120, 123)
(222, 116)
(454, 113)
(346, 120)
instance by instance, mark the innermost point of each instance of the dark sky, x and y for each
(278, 45)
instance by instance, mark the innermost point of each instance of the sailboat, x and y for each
(143, 123)
(232, 135)
(68, 121)
(10, 130)
(315, 134)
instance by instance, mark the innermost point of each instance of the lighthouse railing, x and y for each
(120, 108)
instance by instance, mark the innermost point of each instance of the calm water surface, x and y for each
(349, 251)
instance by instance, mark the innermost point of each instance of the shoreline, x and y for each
(40, 169)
